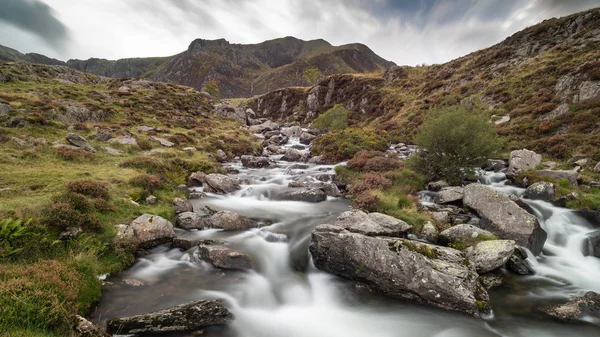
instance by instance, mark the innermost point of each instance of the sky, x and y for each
(408, 32)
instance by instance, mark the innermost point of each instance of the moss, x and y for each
(417, 247)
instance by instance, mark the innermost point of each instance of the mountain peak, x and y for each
(201, 44)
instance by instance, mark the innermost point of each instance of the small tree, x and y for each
(335, 118)
(213, 89)
(454, 143)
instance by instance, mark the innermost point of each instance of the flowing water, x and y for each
(287, 296)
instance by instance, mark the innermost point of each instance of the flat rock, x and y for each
(571, 175)
(464, 235)
(305, 194)
(123, 140)
(449, 195)
(489, 255)
(576, 309)
(112, 152)
(372, 224)
(162, 141)
(77, 140)
(225, 258)
(214, 182)
(227, 220)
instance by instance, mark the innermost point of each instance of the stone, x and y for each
(292, 131)
(145, 128)
(77, 140)
(317, 160)
(306, 138)
(184, 244)
(70, 233)
(181, 205)
(562, 201)
(191, 316)
(576, 309)
(449, 195)
(266, 126)
(571, 175)
(162, 141)
(147, 231)
(504, 218)
(489, 255)
(111, 151)
(593, 244)
(85, 328)
(464, 235)
(522, 160)
(229, 221)
(255, 162)
(221, 155)
(331, 190)
(597, 167)
(429, 233)
(151, 200)
(372, 224)
(197, 195)
(292, 155)
(491, 280)
(400, 268)
(436, 186)
(581, 162)
(542, 190)
(228, 110)
(225, 258)
(189, 220)
(305, 194)
(214, 182)
(517, 263)
(21, 142)
(502, 120)
(123, 140)
(17, 122)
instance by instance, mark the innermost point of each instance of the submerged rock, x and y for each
(255, 162)
(225, 258)
(576, 309)
(186, 317)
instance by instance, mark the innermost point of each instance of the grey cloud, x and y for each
(37, 18)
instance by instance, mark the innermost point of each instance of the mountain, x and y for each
(11, 55)
(541, 88)
(245, 70)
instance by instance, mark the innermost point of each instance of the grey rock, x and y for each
(5, 109)
(228, 110)
(372, 224)
(77, 140)
(214, 182)
(151, 200)
(266, 126)
(489, 281)
(581, 162)
(292, 131)
(522, 160)
(111, 151)
(316, 160)
(597, 167)
(305, 194)
(255, 162)
(123, 140)
(189, 220)
(571, 175)
(449, 195)
(576, 309)
(429, 233)
(85, 328)
(436, 186)
(400, 268)
(489, 255)
(542, 190)
(464, 235)
(145, 128)
(70, 233)
(517, 263)
(593, 244)
(162, 141)
(331, 189)
(228, 221)
(186, 317)
(21, 142)
(292, 155)
(17, 122)
(225, 258)
(181, 205)
(503, 217)
(221, 155)
(306, 138)
(147, 231)
(562, 201)
(182, 243)
(197, 195)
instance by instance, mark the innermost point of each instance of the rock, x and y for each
(111, 151)
(292, 155)
(123, 140)
(504, 218)
(292, 131)
(214, 182)
(429, 233)
(464, 235)
(562, 201)
(189, 220)
(21, 142)
(305, 194)
(576, 309)
(331, 189)
(17, 122)
(162, 141)
(372, 224)
(582, 162)
(449, 195)
(144, 128)
(542, 190)
(134, 282)
(441, 217)
(316, 160)
(306, 138)
(225, 258)
(278, 140)
(77, 140)
(266, 126)
(151, 200)
(571, 176)
(436, 186)
(186, 317)
(5, 109)
(184, 244)
(197, 195)
(597, 167)
(517, 263)
(70, 233)
(490, 281)
(255, 162)
(522, 160)
(147, 231)
(221, 155)
(489, 255)
(85, 328)
(181, 205)
(229, 221)
(502, 120)
(400, 268)
(228, 110)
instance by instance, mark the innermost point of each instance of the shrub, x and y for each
(453, 144)
(70, 154)
(382, 164)
(336, 146)
(335, 118)
(90, 188)
(371, 181)
(147, 182)
(213, 89)
(144, 144)
(366, 201)
(360, 159)
(11, 232)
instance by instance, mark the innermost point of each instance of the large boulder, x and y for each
(542, 190)
(449, 195)
(266, 126)
(522, 160)
(186, 317)
(571, 175)
(489, 255)
(373, 224)
(255, 162)
(181, 205)
(292, 131)
(147, 231)
(464, 235)
(401, 268)
(292, 155)
(189, 220)
(576, 309)
(77, 140)
(214, 182)
(503, 217)
(225, 258)
(305, 194)
(228, 221)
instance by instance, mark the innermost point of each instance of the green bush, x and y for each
(11, 233)
(336, 146)
(454, 143)
(335, 118)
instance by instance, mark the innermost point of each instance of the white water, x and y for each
(287, 296)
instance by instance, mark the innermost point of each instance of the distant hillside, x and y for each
(11, 55)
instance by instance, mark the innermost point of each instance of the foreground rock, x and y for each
(372, 224)
(225, 258)
(186, 317)
(214, 183)
(147, 231)
(489, 255)
(504, 218)
(292, 155)
(577, 308)
(522, 160)
(305, 194)
(77, 140)
(228, 221)
(401, 268)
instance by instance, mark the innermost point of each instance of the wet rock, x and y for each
(184, 244)
(449, 195)
(292, 155)
(302, 182)
(571, 175)
(489, 255)
(400, 268)
(576, 309)
(436, 186)
(162, 141)
(225, 258)
(522, 160)
(181, 205)
(255, 162)
(147, 231)
(372, 224)
(85, 328)
(464, 235)
(306, 138)
(517, 263)
(292, 131)
(542, 190)
(597, 167)
(593, 244)
(228, 221)
(299, 167)
(77, 140)
(305, 194)
(214, 183)
(491, 280)
(186, 317)
(331, 189)
(189, 220)
(123, 140)
(504, 218)
(134, 282)
(278, 140)
(429, 233)
(197, 195)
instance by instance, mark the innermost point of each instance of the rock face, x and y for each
(189, 220)
(225, 258)
(214, 183)
(305, 194)
(449, 195)
(372, 224)
(489, 255)
(228, 221)
(464, 234)
(540, 191)
(80, 142)
(577, 308)
(148, 231)
(186, 317)
(503, 217)
(255, 162)
(522, 160)
(400, 268)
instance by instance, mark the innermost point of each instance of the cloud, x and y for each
(37, 18)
